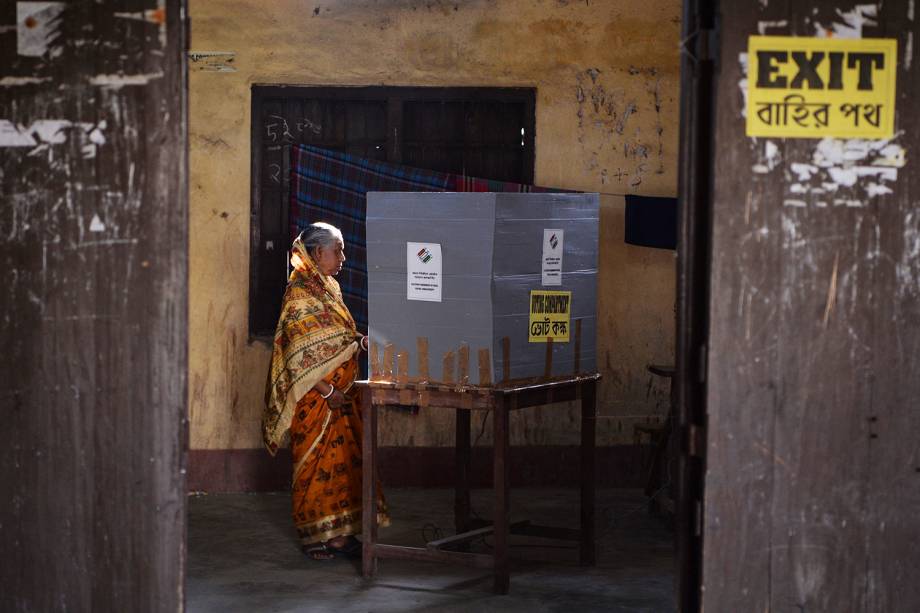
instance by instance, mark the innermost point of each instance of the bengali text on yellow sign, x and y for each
(549, 316)
(801, 87)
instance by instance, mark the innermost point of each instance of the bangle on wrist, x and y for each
(363, 343)
(331, 392)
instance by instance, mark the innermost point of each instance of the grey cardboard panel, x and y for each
(512, 319)
(403, 335)
(432, 206)
(511, 294)
(519, 246)
(522, 206)
(471, 258)
(463, 227)
(529, 359)
(492, 257)
(521, 220)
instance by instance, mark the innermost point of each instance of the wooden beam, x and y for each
(475, 560)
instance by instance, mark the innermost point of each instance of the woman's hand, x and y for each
(338, 401)
(362, 342)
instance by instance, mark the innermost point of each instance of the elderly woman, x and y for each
(310, 395)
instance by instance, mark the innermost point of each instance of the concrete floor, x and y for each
(242, 556)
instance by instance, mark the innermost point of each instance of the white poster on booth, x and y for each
(552, 257)
(423, 271)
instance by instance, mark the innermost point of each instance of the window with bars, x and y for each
(477, 132)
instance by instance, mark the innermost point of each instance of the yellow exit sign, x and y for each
(816, 87)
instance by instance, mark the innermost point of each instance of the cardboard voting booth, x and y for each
(481, 288)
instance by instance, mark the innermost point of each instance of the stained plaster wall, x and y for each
(606, 74)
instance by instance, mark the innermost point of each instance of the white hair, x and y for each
(320, 234)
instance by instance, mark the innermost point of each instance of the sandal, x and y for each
(320, 552)
(352, 549)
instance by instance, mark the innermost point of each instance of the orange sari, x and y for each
(326, 444)
(316, 340)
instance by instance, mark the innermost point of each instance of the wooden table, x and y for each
(501, 400)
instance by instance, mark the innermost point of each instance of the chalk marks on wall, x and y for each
(610, 130)
(278, 129)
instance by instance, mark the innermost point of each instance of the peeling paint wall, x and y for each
(606, 75)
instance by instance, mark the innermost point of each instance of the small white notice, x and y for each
(423, 271)
(552, 257)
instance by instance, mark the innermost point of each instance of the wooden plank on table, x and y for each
(389, 369)
(402, 377)
(463, 362)
(422, 348)
(485, 368)
(375, 360)
(447, 370)
(402, 362)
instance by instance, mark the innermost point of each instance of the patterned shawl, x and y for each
(315, 335)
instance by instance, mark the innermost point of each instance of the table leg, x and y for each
(587, 545)
(369, 484)
(500, 484)
(462, 484)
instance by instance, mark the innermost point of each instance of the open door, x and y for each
(93, 310)
(800, 306)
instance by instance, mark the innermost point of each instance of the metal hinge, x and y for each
(701, 45)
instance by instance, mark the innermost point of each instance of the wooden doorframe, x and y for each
(805, 293)
(94, 306)
(699, 36)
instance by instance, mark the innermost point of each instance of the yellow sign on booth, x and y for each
(802, 87)
(549, 316)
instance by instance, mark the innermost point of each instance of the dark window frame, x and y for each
(395, 99)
